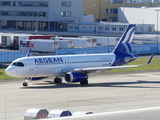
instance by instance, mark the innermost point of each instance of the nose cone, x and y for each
(11, 71)
(8, 71)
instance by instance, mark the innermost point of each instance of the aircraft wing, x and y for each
(107, 67)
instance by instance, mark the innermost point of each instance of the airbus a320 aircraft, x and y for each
(75, 68)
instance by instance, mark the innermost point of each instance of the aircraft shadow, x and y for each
(52, 85)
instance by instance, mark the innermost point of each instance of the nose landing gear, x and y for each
(25, 83)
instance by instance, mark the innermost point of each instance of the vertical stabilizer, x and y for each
(124, 45)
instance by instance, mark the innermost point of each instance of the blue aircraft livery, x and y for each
(75, 68)
(48, 60)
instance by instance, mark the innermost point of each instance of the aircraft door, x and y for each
(31, 66)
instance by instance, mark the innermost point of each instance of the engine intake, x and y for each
(75, 77)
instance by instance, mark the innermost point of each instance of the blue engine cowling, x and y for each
(75, 77)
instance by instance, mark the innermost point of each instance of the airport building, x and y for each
(39, 14)
(108, 28)
(78, 16)
(142, 15)
(107, 10)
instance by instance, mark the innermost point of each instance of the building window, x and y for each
(107, 28)
(23, 13)
(107, 11)
(131, 1)
(115, 11)
(114, 29)
(5, 3)
(75, 27)
(14, 3)
(66, 4)
(112, 11)
(117, 1)
(120, 29)
(100, 28)
(39, 4)
(70, 27)
(66, 13)
(109, 1)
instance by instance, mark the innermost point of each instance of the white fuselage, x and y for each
(41, 66)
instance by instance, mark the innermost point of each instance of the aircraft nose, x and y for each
(10, 71)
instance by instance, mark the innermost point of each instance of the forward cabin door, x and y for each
(31, 66)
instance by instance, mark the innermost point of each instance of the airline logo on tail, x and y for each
(125, 43)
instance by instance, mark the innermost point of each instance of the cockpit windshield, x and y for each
(20, 64)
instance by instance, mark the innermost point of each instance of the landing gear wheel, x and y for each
(57, 80)
(84, 82)
(25, 84)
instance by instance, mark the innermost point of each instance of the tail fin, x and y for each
(124, 45)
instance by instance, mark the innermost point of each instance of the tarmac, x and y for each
(105, 93)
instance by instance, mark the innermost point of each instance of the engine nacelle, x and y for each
(75, 77)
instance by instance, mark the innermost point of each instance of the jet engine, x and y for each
(75, 77)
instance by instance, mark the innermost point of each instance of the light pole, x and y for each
(123, 11)
(97, 5)
(16, 18)
(108, 38)
(54, 30)
(108, 30)
(157, 30)
(36, 31)
(143, 26)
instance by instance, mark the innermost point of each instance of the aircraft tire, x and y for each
(25, 84)
(84, 82)
(57, 80)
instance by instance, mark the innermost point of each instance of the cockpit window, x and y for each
(20, 64)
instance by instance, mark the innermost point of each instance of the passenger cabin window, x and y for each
(20, 64)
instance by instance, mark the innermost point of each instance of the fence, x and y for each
(137, 49)
(9, 56)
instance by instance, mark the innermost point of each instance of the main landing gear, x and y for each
(84, 82)
(57, 80)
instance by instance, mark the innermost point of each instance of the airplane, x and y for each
(75, 68)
